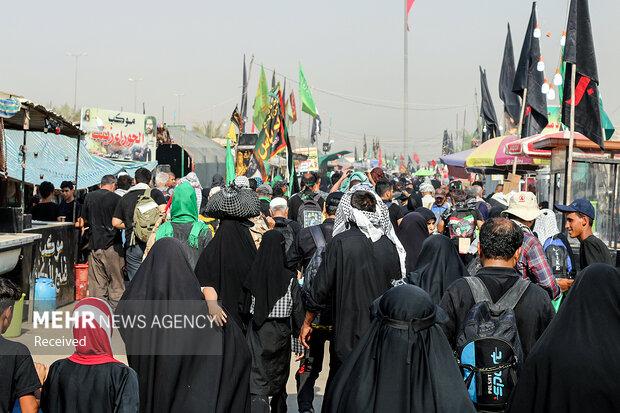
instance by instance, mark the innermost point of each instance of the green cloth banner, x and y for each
(307, 102)
(261, 101)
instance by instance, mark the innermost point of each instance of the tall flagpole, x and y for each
(405, 81)
(520, 127)
(568, 190)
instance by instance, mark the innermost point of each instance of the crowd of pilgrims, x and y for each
(416, 286)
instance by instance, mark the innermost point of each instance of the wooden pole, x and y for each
(520, 127)
(568, 188)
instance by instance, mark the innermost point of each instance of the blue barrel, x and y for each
(44, 295)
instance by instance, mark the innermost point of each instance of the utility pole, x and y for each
(177, 117)
(76, 56)
(135, 81)
(405, 80)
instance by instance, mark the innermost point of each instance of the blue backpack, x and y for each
(557, 257)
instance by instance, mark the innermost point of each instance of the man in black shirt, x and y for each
(65, 209)
(298, 258)
(278, 210)
(46, 209)
(105, 263)
(310, 183)
(579, 218)
(19, 380)
(499, 249)
(123, 218)
(304, 247)
(384, 189)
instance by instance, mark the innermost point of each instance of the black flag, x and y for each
(244, 96)
(529, 77)
(579, 51)
(512, 104)
(446, 145)
(273, 80)
(487, 111)
(316, 129)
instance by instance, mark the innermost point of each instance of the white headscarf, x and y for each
(546, 225)
(372, 224)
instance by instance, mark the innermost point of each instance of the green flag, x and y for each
(261, 101)
(608, 127)
(230, 164)
(307, 103)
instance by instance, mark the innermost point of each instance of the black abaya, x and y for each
(199, 369)
(268, 280)
(226, 262)
(412, 232)
(354, 272)
(113, 387)
(402, 364)
(439, 264)
(574, 366)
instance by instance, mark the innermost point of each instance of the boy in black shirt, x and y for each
(579, 218)
(46, 209)
(18, 377)
(384, 189)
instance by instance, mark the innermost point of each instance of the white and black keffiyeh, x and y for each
(233, 202)
(372, 224)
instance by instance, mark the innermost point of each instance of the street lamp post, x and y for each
(76, 56)
(135, 81)
(177, 121)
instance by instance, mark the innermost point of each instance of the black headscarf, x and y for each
(426, 213)
(176, 367)
(574, 366)
(226, 261)
(439, 264)
(402, 364)
(412, 232)
(268, 280)
(414, 201)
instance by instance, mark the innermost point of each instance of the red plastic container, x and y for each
(81, 281)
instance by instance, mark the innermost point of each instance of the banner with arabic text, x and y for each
(121, 136)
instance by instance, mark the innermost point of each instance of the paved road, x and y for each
(46, 356)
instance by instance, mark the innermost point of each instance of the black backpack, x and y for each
(557, 257)
(489, 350)
(287, 231)
(314, 264)
(310, 212)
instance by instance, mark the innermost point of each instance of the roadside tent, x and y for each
(51, 157)
(208, 157)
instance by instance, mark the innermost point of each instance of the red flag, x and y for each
(380, 156)
(416, 158)
(409, 6)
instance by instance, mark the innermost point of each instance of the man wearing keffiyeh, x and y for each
(363, 260)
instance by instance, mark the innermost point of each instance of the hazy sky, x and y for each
(351, 48)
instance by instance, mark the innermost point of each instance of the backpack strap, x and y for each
(478, 290)
(510, 299)
(147, 193)
(317, 236)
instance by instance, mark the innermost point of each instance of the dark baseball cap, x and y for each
(581, 205)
